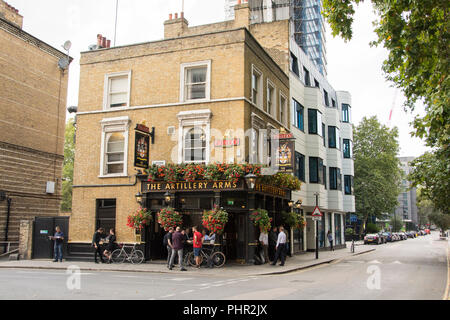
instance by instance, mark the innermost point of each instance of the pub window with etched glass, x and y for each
(115, 153)
(194, 145)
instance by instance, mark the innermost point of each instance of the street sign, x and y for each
(316, 218)
(317, 212)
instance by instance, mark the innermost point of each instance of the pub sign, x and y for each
(141, 147)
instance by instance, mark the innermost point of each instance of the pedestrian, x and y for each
(197, 244)
(264, 241)
(59, 241)
(330, 239)
(167, 242)
(273, 237)
(280, 247)
(96, 239)
(178, 240)
(112, 244)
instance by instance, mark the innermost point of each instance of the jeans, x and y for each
(180, 257)
(331, 245)
(58, 251)
(169, 254)
(98, 251)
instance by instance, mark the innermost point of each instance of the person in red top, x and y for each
(197, 244)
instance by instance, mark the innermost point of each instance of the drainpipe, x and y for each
(8, 200)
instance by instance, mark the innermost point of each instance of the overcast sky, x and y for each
(352, 66)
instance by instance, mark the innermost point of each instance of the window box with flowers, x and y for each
(168, 217)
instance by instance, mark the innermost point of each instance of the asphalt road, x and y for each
(412, 269)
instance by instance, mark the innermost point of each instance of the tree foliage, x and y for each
(416, 34)
(432, 173)
(377, 169)
(67, 174)
(396, 223)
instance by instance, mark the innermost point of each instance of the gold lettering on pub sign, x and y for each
(191, 186)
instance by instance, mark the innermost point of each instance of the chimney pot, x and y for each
(182, 15)
(108, 43)
(176, 15)
(170, 16)
(104, 42)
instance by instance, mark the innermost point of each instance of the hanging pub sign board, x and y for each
(141, 147)
(285, 153)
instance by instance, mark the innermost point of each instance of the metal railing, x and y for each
(7, 245)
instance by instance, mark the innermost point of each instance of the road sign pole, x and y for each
(317, 228)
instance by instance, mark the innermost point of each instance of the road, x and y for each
(412, 269)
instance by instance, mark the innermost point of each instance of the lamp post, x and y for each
(317, 228)
(167, 197)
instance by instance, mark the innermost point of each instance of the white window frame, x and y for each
(273, 109)
(259, 99)
(188, 120)
(283, 110)
(106, 95)
(113, 125)
(183, 70)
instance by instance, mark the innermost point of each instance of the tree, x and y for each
(377, 169)
(67, 174)
(396, 223)
(425, 207)
(442, 221)
(432, 174)
(416, 36)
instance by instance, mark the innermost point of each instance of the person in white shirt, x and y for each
(281, 248)
(264, 240)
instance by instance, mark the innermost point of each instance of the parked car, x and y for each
(409, 234)
(428, 231)
(413, 233)
(395, 236)
(388, 236)
(403, 235)
(372, 238)
(383, 237)
(422, 233)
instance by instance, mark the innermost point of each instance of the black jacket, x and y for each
(97, 238)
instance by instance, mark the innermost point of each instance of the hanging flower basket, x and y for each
(261, 219)
(139, 219)
(215, 220)
(294, 220)
(168, 217)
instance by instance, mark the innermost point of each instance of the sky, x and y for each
(353, 66)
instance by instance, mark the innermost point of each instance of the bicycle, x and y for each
(208, 256)
(120, 255)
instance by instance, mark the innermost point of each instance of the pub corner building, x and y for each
(203, 95)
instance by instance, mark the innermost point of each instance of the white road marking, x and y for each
(204, 288)
(397, 262)
(180, 279)
(188, 291)
(168, 296)
(374, 262)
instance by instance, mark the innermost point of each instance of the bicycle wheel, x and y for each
(118, 256)
(191, 259)
(218, 259)
(137, 257)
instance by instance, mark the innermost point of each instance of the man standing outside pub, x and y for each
(281, 248)
(177, 248)
(98, 236)
(197, 244)
(167, 241)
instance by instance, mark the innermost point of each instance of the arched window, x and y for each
(115, 151)
(195, 145)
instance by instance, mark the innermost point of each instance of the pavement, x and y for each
(294, 263)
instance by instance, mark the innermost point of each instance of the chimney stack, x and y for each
(102, 42)
(175, 27)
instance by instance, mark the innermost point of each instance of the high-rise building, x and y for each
(407, 207)
(308, 27)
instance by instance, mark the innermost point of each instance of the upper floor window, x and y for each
(314, 121)
(335, 179)
(333, 137)
(325, 177)
(316, 83)
(114, 147)
(300, 166)
(325, 97)
(346, 117)
(271, 106)
(194, 145)
(257, 87)
(307, 77)
(117, 90)
(299, 114)
(347, 148)
(324, 134)
(294, 65)
(333, 103)
(315, 170)
(195, 81)
(348, 185)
